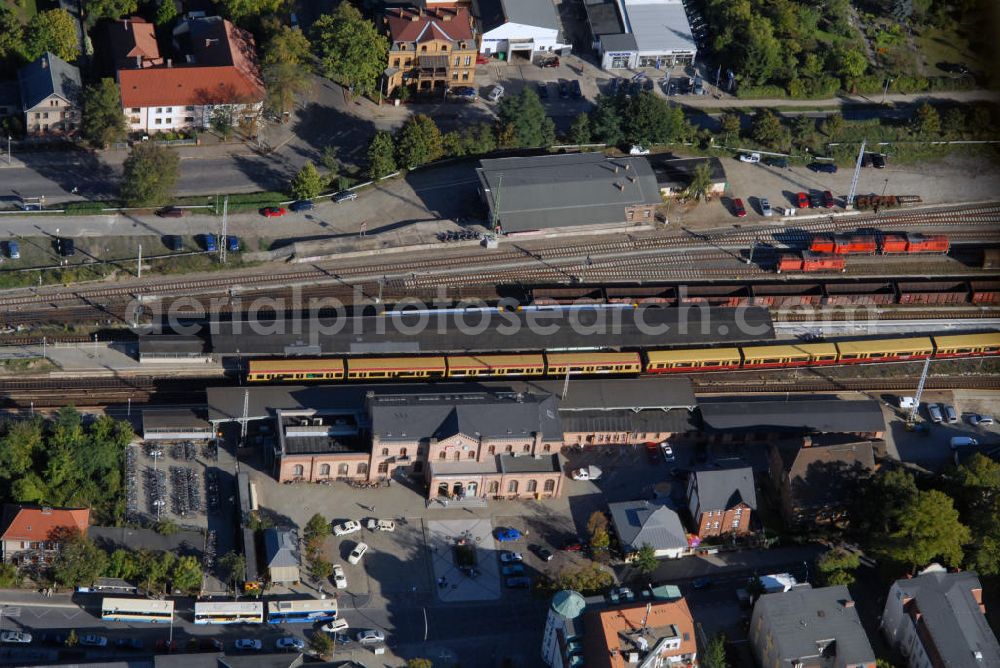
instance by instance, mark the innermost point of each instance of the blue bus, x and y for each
(305, 611)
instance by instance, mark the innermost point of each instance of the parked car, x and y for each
(815, 200)
(749, 157)
(344, 196)
(463, 94)
(371, 637)
(738, 209)
(934, 411)
(765, 207)
(574, 89)
(359, 551)
(290, 642)
(174, 242)
(273, 211)
(512, 569)
(981, 420)
(541, 552)
(638, 149)
(508, 557)
(210, 645)
(13, 250)
(667, 452)
(335, 626)
(233, 244)
(963, 442)
(824, 167)
(507, 534)
(698, 88)
(373, 524)
(339, 579)
(780, 163)
(701, 583)
(827, 199)
(66, 247)
(518, 582)
(211, 245)
(563, 90)
(344, 528)
(302, 205)
(93, 640)
(550, 62)
(648, 85)
(15, 637)
(878, 160)
(248, 644)
(801, 200)
(950, 414)
(495, 94)
(543, 90)
(170, 212)
(572, 545)
(652, 453)
(129, 643)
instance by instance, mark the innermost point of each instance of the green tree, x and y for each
(103, 120)
(730, 125)
(307, 183)
(166, 12)
(108, 9)
(648, 119)
(8, 576)
(53, 30)
(714, 655)
(760, 53)
(837, 566)
(149, 175)
(186, 575)
(222, 121)
(645, 559)
(977, 488)
(319, 568)
(350, 49)
(927, 121)
(605, 121)
(880, 501)
(928, 528)
(419, 663)
(11, 33)
(586, 579)
(833, 125)
(79, 561)
(317, 529)
(701, 181)
(525, 118)
(418, 142)
(238, 10)
(599, 539)
(597, 520)
(283, 82)
(768, 131)
(381, 155)
(166, 527)
(579, 131)
(19, 444)
(287, 45)
(851, 63)
(321, 644)
(234, 566)
(803, 130)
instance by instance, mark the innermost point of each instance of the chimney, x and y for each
(848, 603)
(45, 63)
(807, 441)
(125, 24)
(170, 62)
(620, 186)
(46, 510)
(138, 62)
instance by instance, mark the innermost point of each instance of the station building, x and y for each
(630, 34)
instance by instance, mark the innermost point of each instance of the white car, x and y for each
(638, 149)
(290, 642)
(373, 524)
(983, 420)
(667, 451)
(580, 474)
(371, 637)
(15, 637)
(496, 93)
(335, 626)
(749, 157)
(92, 640)
(248, 644)
(765, 207)
(348, 527)
(339, 579)
(510, 557)
(358, 552)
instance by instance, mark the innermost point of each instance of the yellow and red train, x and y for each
(624, 363)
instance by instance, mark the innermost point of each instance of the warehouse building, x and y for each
(519, 29)
(631, 34)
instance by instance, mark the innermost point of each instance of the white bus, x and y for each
(137, 610)
(244, 612)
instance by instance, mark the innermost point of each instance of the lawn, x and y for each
(939, 47)
(24, 9)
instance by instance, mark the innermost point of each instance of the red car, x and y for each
(827, 199)
(738, 209)
(802, 201)
(653, 453)
(273, 211)
(550, 62)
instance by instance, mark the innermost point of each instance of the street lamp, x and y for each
(888, 80)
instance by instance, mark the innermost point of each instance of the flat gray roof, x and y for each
(679, 172)
(659, 26)
(643, 422)
(181, 543)
(815, 415)
(618, 42)
(569, 190)
(603, 19)
(153, 344)
(495, 13)
(180, 419)
(629, 393)
(543, 464)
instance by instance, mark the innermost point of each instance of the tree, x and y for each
(579, 131)
(768, 131)
(599, 539)
(927, 528)
(701, 181)
(71, 638)
(79, 561)
(8, 576)
(755, 588)
(851, 63)
(222, 121)
(927, 121)
(166, 12)
(418, 142)
(11, 33)
(730, 125)
(321, 644)
(149, 175)
(186, 575)
(53, 30)
(238, 10)
(419, 663)
(166, 527)
(833, 125)
(977, 483)
(605, 121)
(108, 9)
(288, 45)
(761, 51)
(525, 117)
(714, 655)
(307, 183)
(597, 520)
(234, 565)
(645, 559)
(103, 120)
(648, 119)
(587, 579)
(837, 565)
(350, 49)
(317, 529)
(381, 155)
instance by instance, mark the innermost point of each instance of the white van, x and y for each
(496, 93)
(962, 441)
(906, 402)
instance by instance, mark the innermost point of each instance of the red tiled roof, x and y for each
(450, 24)
(133, 38)
(30, 523)
(602, 639)
(187, 85)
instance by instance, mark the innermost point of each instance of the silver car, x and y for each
(765, 207)
(934, 410)
(950, 413)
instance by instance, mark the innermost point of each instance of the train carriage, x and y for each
(963, 345)
(912, 348)
(296, 369)
(495, 365)
(702, 359)
(396, 367)
(558, 364)
(844, 244)
(800, 354)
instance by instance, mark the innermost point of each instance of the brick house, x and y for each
(721, 501)
(813, 480)
(431, 49)
(27, 532)
(50, 96)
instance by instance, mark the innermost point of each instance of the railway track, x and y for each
(705, 385)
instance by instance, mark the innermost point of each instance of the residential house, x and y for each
(430, 49)
(656, 633)
(938, 619)
(673, 176)
(515, 30)
(50, 96)
(721, 501)
(572, 190)
(643, 522)
(132, 44)
(809, 627)
(27, 532)
(814, 480)
(281, 554)
(219, 75)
